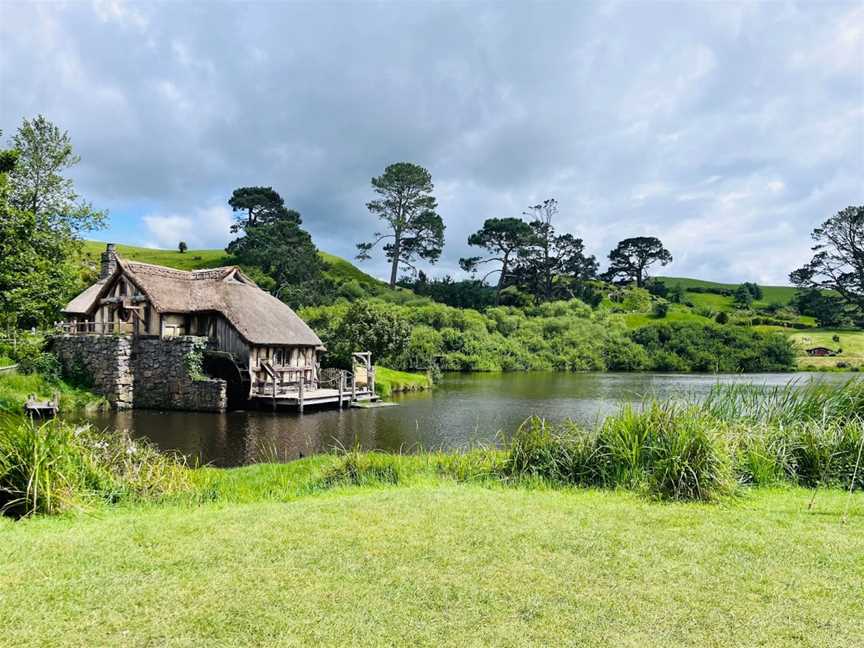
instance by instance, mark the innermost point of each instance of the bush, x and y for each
(674, 453)
(806, 435)
(689, 346)
(661, 309)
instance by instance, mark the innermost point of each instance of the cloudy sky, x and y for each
(727, 129)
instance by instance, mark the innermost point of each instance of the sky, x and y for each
(728, 130)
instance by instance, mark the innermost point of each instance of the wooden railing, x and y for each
(96, 328)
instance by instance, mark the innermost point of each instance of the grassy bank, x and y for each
(16, 387)
(391, 381)
(674, 450)
(445, 565)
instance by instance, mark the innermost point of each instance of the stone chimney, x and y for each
(109, 261)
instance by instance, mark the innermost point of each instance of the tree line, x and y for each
(530, 255)
(520, 260)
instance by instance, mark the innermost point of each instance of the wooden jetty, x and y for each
(42, 409)
(295, 387)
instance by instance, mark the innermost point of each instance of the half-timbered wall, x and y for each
(141, 317)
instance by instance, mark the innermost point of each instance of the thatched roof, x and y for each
(258, 316)
(82, 303)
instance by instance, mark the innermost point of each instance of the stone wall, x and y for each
(104, 360)
(168, 375)
(146, 373)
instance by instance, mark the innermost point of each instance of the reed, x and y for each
(56, 466)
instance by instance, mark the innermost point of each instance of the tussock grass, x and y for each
(807, 435)
(54, 466)
(670, 451)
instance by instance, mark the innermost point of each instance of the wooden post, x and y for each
(302, 376)
(353, 387)
(372, 381)
(341, 382)
(274, 392)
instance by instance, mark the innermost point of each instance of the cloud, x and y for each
(729, 130)
(202, 228)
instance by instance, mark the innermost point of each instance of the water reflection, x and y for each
(464, 409)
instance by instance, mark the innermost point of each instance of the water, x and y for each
(462, 410)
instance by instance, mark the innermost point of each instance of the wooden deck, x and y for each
(33, 407)
(313, 397)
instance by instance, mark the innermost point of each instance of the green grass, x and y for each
(189, 260)
(389, 381)
(851, 343)
(337, 267)
(16, 387)
(677, 313)
(771, 294)
(344, 270)
(442, 565)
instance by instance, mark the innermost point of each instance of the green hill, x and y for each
(771, 294)
(337, 267)
(704, 305)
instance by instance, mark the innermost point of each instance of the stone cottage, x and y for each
(142, 331)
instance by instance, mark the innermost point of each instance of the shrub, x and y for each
(826, 453)
(661, 309)
(689, 459)
(567, 455)
(690, 346)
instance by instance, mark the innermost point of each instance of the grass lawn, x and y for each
(442, 564)
(189, 260)
(851, 343)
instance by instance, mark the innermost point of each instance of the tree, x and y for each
(182, 246)
(742, 297)
(257, 205)
(379, 328)
(408, 207)
(41, 222)
(537, 262)
(633, 256)
(37, 183)
(283, 251)
(754, 289)
(838, 262)
(552, 265)
(828, 309)
(504, 238)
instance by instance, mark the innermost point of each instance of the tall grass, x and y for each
(663, 448)
(787, 404)
(55, 466)
(809, 435)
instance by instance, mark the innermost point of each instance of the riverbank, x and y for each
(16, 387)
(391, 381)
(441, 564)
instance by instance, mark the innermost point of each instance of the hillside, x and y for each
(356, 283)
(771, 294)
(337, 267)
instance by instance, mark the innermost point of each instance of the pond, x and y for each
(462, 410)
